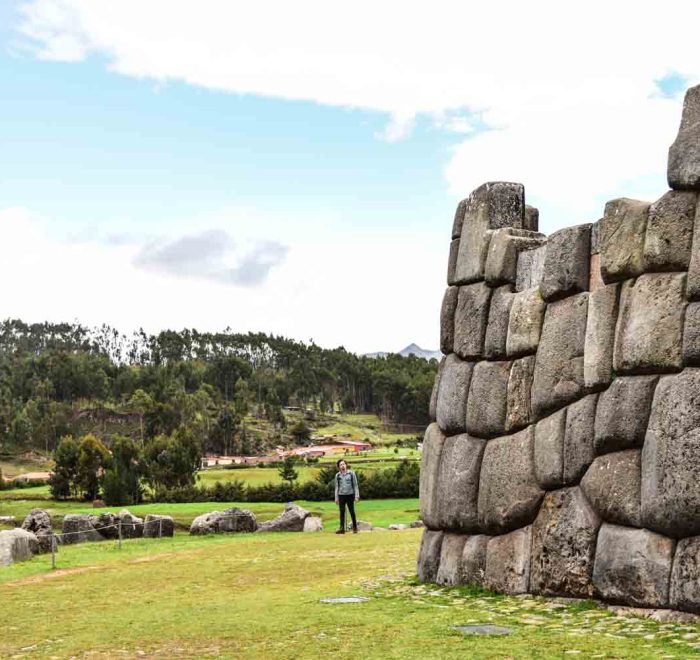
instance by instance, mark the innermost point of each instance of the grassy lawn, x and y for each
(257, 596)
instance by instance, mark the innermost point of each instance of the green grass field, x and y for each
(257, 596)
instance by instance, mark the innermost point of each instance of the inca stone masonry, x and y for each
(564, 453)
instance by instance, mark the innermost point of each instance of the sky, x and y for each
(293, 168)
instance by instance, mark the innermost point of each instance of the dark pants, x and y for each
(348, 500)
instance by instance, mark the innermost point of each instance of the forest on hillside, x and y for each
(63, 379)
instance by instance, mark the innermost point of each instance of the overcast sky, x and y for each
(293, 167)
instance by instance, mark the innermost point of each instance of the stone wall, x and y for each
(564, 453)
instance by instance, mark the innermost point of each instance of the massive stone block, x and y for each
(497, 328)
(691, 335)
(17, 545)
(436, 390)
(458, 482)
(671, 457)
(452, 262)
(578, 438)
(486, 406)
(548, 453)
(530, 268)
(669, 234)
(632, 566)
(450, 559)
(473, 566)
(508, 562)
(447, 319)
(623, 412)
(509, 495)
(451, 410)
(430, 466)
(685, 576)
(459, 218)
(693, 284)
(531, 219)
(428, 562)
(567, 262)
(505, 246)
(600, 336)
(621, 235)
(684, 155)
(471, 318)
(649, 334)
(525, 322)
(612, 485)
(558, 378)
(519, 386)
(564, 538)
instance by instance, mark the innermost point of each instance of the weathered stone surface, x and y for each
(429, 556)
(290, 520)
(450, 559)
(595, 278)
(497, 328)
(505, 246)
(525, 322)
(78, 528)
(578, 438)
(600, 336)
(132, 526)
(458, 482)
(452, 397)
(38, 522)
(486, 406)
(549, 450)
(685, 576)
(106, 524)
(693, 284)
(509, 495)
(684, 155)
(691, 335)
(671, 457)
(558, 378)
(313, 524)
(531, 218)
(519, 386)
(156, 526)
(447, 319)
(621, 235)
(612, 485)
(530, 268)
(508, 562)
(669, 233)
(436, 390)
(459, 218)
(230, 520)
(491, 206)
(649, 334)
(623, 412)
(564, 538)
(595, 238)
(430, 467)
(566, 263)
(471, 318)
(452, 262)
(473, 565)
(10, 521)
(17, 545)
(633, 566)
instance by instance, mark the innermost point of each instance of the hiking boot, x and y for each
(340, 531)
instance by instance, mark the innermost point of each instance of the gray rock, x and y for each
(106, 524)
(473, 564)
(685, 576)
(458, 482)
(447, 319)
(600, 336)
(595, 238)
(659, 615)
(531, 218)
(312, 524)
(558, 377)
(509, 496)
(595, 277)
(649, 334)
(417, 524)
(567, 262)
(486, 405)
(578, 439)
(428, 562)
(691, 335)
(504, 248)
(563, 545)
(38, 522)
(132, 526)
(430, 467)
(671, 457)
(459, 218)
(10, 521)
(17, 545)
(632, 566)
(471, 318)
(508, 562)
(670, 232)
(530, 268)
(156, 526)
(219, 522)
(436, 390)
(452, 397)
(549, 450)
(623, 412)
(525, 322)
(78, 528)
(290, 520)
(612, 485)
(397, 527)
(364, 526)
(693, 285)
(518, 397)
(621, 234)
(497, 328)
(452, 262)
(450, 559)
(684, 154)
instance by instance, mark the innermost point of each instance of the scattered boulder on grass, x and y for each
(9, 521)
(219, 522)
(132, 527)
(291, 520)
(155, 526)
(17, 545)
(397, 526)
(78, 528)
(363, 526)
(313, 524)
(416, 524)
(38, 522)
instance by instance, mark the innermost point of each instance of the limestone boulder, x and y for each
(17, 545)
(505, 246)
(600, 336)
(497, 327)
(621, 239)
(649, 334)
(433, 442)
(685, 576)
(564, 537)
(157, 526)
(132, 526)
(452, 262)
(450, 559)
(313, 524)
(548, 452)
(567, 262)
(612, 485)
(451, 410)
(487, 402)
(518, 395)
(684, 155)
(633, 566)
(471, 320)
(428, 562)
(508, 562)
(525, 322)
(473, 564)
(290, 520)
(509, 495)
(530, 269)
(38, 522)
(78, 528)
(219, 522)
(669, 234)
(691, 335)
(106, 524)
(578, 446)
(447, 319)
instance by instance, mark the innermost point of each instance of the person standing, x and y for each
(347, 493)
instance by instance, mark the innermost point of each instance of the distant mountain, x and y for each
(411, 349)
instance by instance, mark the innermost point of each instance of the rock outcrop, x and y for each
(17, 545)
(219, 522)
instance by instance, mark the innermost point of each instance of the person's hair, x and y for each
(341, 460)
